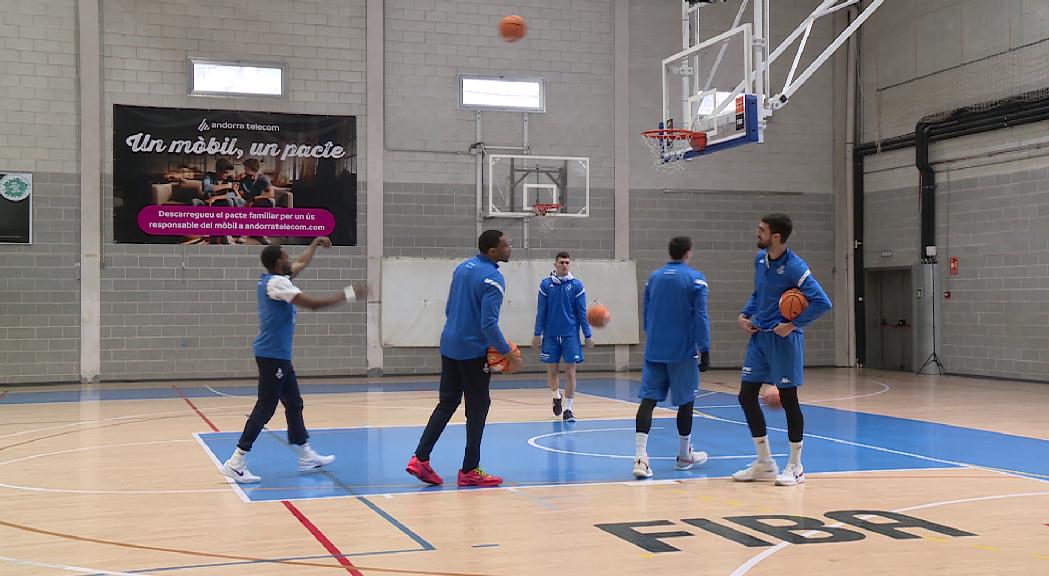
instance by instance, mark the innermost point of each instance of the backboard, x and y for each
(717, 93)
(708, 88)
(516, 182)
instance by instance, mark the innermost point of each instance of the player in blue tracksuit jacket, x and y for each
(472, 326)
(677, 332)
(776, 352)
(560, 314)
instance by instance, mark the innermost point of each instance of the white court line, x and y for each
(86, 448)
(223, 393)
(746, 566)
(884, 388)
(76, 569)
(215, 461)
(146, 415)
(533, 442)
(876, 448)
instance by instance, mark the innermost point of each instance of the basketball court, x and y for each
(906, 139)
(125, 480)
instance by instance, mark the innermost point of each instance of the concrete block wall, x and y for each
(189, 311)
(40, 301)
(921, 58)
(924, 58)
(430, 183)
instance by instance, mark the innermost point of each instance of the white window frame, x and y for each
(504, 108)
(191, 80)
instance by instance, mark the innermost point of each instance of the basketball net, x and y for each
(669, 146)
(544, 214)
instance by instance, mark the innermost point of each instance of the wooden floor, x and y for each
(123, 479)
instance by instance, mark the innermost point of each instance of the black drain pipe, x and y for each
(962, 122)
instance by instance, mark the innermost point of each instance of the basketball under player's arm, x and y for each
(491, 303)
(701, 323)
(540, 316)
(819, 302)
(307, 256)
(580, 315)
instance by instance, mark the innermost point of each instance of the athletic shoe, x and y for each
(792, 475)
(642, 469)
(693, 459)
(478, 477)
(569, 416)
(423, 471)
(758, 470)
(240, 475)
(309, 459)
(557, 406)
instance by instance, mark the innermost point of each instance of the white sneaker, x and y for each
(310, 460)
(693, 459)
(642, 469)
(241, 475)
(758, 470)
(792, 475)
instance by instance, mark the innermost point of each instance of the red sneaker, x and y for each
(423, 471)
(478, 477)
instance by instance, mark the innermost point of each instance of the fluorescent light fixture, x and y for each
(218, 78)
(500, 93)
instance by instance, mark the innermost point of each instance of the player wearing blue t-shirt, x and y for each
(677, 335)
(278, 298)
(560, 315)
(776, 352)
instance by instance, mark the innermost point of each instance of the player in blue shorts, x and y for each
(776, 352)
(560, 314)
(678, 333)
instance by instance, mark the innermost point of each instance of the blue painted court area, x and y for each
(371, 460)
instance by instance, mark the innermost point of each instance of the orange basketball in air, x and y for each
(598, 315)
(792, 303)
(512, 28)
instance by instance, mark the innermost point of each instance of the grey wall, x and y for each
(39, 294)
(189, 311)
(921, 57)
(924, 58)
(430, 191)
(718, 200)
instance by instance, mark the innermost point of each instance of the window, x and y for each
(499, 93)
(217, 78)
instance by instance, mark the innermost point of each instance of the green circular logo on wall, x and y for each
(15, 187)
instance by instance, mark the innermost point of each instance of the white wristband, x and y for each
(351, 295)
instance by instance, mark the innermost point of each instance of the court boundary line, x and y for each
(742, 569)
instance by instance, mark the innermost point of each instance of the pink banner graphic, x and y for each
(226, 221)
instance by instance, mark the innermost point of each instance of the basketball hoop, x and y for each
(669, 146)
(545, 215)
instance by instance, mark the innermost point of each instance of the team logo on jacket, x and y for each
(781, 270)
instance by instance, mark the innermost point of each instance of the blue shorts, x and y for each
(556, 347)
(771, 359)
(680, 378)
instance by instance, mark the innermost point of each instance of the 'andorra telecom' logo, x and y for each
(15, 187)
(204, 126)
